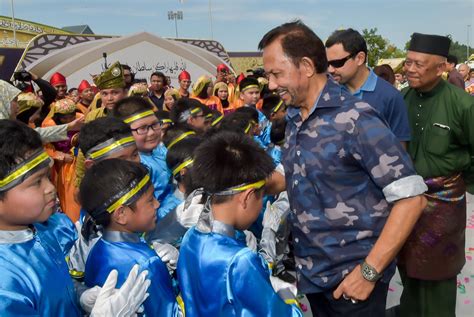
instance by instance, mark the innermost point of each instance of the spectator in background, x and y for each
(454, 77)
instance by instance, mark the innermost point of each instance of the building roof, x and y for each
(79, 29)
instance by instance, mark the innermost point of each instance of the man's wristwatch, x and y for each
(369, 272)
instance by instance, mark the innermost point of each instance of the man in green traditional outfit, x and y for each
(441, 120)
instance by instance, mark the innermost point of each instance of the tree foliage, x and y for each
(378, 47)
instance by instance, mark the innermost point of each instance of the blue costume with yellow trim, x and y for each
(121, 251)
(35, 278)
(219, 276)
(155, 161)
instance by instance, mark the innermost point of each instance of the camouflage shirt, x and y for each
(344, 168)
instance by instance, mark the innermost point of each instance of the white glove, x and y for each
(124, 302)
(167, 253)
(268, 245)
(250, 240)
(279, 285)
(275, 213)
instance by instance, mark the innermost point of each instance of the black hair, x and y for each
(180, 152)
(250, 111)
(452, 59)
(203, 94)
(298, 41)
(228, 159)
(277, 132)
(101, 130)
(174, 132)
(100, 184)
(58, 116)
(247, 81)
(351, 40)
(17, 141)
(181, 106)
(269, 102)
(71, 90)
(161, 75)
(236, 122)
(386, 72)
(130, 106)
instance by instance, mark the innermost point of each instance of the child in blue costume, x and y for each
(179, 159)
(146, 129)
(250, 94)
(101, 139)
(34, 240)
(218, 274)
(118, 195)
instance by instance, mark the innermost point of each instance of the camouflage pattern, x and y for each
(336, 164)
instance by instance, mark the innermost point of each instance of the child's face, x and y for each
(223, 93)
(32, 201)
(169, 102)
(148, 141)
(251, 210)
(143, 217)
(250, 96)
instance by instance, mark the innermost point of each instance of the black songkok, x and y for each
(430, 44)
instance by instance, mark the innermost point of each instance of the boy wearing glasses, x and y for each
(346, 52)
(146, 130)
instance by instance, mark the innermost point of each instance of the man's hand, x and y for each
(354, 286)
(75, 125)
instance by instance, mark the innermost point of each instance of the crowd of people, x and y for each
(234, 196)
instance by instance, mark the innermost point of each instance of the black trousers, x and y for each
(324, 305)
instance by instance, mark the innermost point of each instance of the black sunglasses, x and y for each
(338, 63)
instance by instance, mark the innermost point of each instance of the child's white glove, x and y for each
(284, 289)
(167, 253)
(250, 240)
(275, 213)
(123, 302)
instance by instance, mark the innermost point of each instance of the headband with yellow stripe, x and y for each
(240, 188)
(188, 161)
(129, 195)
(217, 120)
(249, 87)
(277, 107)
(104, 149)
(180, 138)
(25, 169)
(138, 116)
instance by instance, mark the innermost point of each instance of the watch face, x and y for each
(369, 274)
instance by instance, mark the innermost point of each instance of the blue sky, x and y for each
(240, 24)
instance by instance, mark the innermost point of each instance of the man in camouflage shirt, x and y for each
(354, 194)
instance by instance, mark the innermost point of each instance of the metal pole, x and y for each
(13, 25)
(467, 46)
(176, 23)
(210, 20)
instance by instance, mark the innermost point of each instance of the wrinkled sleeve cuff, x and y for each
(406, 187)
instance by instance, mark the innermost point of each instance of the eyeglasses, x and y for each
(144, 129)
(338, 63)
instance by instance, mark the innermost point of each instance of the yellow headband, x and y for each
(217, 120)
(139, 116)
(196, 110)
(122, 200)
(250, 86)
(106, 147)
(182, 165)
(277, 106)
(241, 188)
(166, 121)
(181, 137)
(251, 123)
(19, 174)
